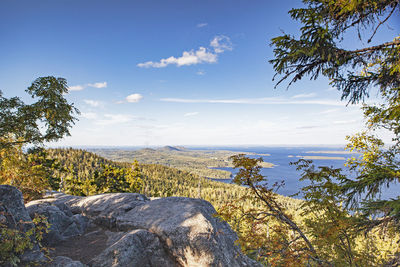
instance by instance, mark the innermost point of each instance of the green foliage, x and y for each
(135, 178)
(318, 49)
(15, 241)
(39, 159)
(47, 119)
(83, 173)
(118, 180)
(78, 163)
(377, 168)
(72, 184)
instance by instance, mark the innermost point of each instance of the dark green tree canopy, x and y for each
(319, 49)
(47, 119)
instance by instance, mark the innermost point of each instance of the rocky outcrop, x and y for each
(133, 248)
(188, 229)
(12, 208)
(14, 215)
(128, 229)
(61, 261)
(63, 224)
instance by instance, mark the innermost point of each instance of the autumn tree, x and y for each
(324, 233)
(21, 124)
(285, 243)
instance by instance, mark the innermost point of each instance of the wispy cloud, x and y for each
(200, 72)
(98, 85)
(83, 86)
(191, 114)
(258, 101)
(328, 111)
(89, 115)
(133, 98)
(304, 95)
(120, 119)
(218, 44)
(345, 122)
(308, 127)
(92, 103)
(221, 43)
(76, 88)
(201, 25)
(110, 119)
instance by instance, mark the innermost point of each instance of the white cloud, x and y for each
(305, 127)
(304, 95)
(133, 98)
(191, 114)
(328, 111)
(98, 85)
(345, 122)
(76, 88)
(81, 87)
(258, 101)
(221, 43)
(89, 115)
(202, 55)
(92, 103)
(201, 25)
(110, 119)
(200, 72)
(120, 120)
(188, 58)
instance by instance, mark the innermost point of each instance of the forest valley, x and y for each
(334, 233)
(340, 221)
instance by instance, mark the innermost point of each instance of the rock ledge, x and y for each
(128, 229)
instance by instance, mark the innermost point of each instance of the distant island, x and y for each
(332, 152)
(321, 157)
(201, 162)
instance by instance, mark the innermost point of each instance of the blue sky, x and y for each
(171, 72)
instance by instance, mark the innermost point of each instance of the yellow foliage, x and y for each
(16, 170)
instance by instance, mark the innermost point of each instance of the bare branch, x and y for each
(382, 22)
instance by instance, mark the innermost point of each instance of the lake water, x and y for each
(281, 158)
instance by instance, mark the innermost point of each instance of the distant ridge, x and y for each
(148, 149)
(172, 148)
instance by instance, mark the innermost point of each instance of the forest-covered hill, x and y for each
(198, 162)
(231, 201)
(159, 180)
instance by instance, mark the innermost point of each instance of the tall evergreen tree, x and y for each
(320, 50)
